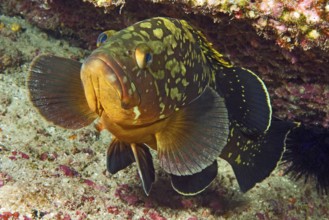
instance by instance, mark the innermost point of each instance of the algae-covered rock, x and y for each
(285, 42)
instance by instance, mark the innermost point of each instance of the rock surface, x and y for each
(285, 42)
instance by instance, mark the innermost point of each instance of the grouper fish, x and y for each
(160, 85)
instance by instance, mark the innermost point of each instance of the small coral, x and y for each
(11, 59)
(15, 27)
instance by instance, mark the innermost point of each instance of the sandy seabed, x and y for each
(51, 173)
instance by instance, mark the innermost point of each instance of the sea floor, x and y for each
(51, 173)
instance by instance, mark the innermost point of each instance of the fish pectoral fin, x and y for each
(145, 166)
(247, 100)
(195, 135)
(119, 156)
(195, 183)
(253, 159)
(56, 90)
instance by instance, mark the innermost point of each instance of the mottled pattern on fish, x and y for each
(180, 67)
(160, 84)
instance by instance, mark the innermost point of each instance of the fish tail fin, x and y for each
(194, 184)
(307, 156)
(246, 98)
(56, 90)
(253, 158)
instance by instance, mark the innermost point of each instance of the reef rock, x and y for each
(285, 42)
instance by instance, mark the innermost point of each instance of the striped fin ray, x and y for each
(195, 135)
(56, 90)
(119, 156)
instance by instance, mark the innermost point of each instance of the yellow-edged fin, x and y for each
(253, 159)
(247, 99)
(119, 156)
(145, 166)
(195, 135)
(196, 183)
(55, 89)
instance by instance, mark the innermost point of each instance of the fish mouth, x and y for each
(115, 76)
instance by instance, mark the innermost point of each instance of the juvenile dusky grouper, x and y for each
(160, 85)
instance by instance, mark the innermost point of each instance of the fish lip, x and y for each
(110, 70)
(129, 95)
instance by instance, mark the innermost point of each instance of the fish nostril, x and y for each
(125, 105)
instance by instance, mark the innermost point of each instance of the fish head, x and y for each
(107, 87)
(138, 75)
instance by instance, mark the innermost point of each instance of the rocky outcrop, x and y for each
(285, 42)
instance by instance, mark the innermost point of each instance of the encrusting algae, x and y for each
(160, 85)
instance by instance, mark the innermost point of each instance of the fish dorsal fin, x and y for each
(119, 156)
(254, 158)
(194, 136)
(196, 183)
(56, 90)
(145, 166)
(247, 99)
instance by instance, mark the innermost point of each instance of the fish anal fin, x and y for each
(56, 90)
(254, 158)
(119, 156)
(247, 99)
(195, 135)
(195, 183)
(145, 166)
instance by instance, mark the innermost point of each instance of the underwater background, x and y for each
(52, 173)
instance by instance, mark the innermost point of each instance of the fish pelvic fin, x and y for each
(254, 158)
(145, 166)
(247, 99)
(119, 156)
(56, 90)
(196, 183)
(195, 135)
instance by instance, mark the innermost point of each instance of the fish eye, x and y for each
(103, 37)
(143, 56)
(148, 58)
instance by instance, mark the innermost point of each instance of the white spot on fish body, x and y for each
(112, 78)
(137, 112)
(125, 79)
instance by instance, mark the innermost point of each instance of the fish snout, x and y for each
(104, 67)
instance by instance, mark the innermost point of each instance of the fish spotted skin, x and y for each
(179, 71)
(147, 73)
(160, 84)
